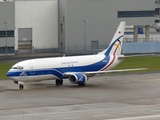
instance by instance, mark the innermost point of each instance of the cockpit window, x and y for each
(14, 68)
(18, 67)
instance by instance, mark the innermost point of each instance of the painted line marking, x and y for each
(66, 112)
(149, 117)
(100, 115)
(130, 113)
(69, 118)
(151, 80)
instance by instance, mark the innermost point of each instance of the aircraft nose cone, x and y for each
(8, 74)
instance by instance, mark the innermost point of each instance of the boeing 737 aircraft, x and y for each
(76, 68)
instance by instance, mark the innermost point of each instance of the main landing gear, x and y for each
(21, 87)
(59, 82)
(82, 84)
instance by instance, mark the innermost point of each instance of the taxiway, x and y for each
(122, 96)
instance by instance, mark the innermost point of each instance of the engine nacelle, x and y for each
(78, 78)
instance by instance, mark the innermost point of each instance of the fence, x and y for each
(128, 48)
(83, 49)
(141, 47)
(27, 52)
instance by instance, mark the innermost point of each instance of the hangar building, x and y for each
(92, 23)
(68, 24)
(30, 24)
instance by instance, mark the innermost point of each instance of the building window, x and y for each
(63, 19)
(10, 49)
(157, 21)
(9, 33)
(157, 1)
(61, 28)
(125, 14)
(157, 12)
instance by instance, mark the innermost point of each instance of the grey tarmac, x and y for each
(118, 96)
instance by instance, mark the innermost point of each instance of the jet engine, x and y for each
(78, 79)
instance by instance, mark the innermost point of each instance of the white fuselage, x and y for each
(54, 68)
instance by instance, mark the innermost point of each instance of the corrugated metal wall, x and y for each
(141, 47)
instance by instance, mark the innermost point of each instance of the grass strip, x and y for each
(4, 67)
(150, 62)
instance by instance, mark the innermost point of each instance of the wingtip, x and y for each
(145, 69)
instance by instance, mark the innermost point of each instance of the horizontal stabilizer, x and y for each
(140, 55)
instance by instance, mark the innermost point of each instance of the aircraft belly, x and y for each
(35, 78)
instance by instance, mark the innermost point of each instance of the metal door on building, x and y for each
(94, 44)
(24, 40)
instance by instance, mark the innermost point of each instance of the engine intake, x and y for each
(78, 78)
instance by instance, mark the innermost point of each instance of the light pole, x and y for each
(85, 34)
(6, 36)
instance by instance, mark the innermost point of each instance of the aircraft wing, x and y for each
(101, 72)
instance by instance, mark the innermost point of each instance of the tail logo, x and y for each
(114, 44)
(117, 46)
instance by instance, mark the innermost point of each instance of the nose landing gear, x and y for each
(21, 87)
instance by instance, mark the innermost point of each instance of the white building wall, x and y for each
(42, 17)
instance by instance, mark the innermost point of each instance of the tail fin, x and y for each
(116, 43)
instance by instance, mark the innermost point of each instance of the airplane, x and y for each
(77, 69)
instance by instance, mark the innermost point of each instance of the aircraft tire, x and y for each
(82, 84)
(59, 82)
(21, 87)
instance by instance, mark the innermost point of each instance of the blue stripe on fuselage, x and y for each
(33, 72)
(59, 71)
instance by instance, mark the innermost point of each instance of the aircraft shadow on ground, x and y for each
(4, 89)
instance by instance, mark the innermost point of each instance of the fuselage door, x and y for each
(31, 68)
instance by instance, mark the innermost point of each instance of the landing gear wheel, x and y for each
(21, 87)
(59, 82)
(82, 84)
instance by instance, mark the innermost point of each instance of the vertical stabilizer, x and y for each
(117, 40)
